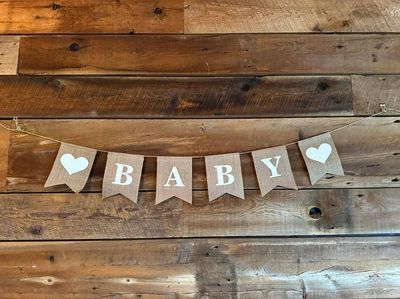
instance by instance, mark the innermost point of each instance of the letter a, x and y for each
(174, 176)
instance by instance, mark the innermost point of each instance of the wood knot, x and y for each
(315, 213)
(323, 86)
(74, 47)
(36, 230)
(245, 87)
(157, 11)
(55, 6)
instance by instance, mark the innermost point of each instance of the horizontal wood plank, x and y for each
(370, 91)
(91, 16)
(215, 268)
(232, 54)
(196, 97)
(94, 97)
(265, 16)
(9, 47)
(280, 213)
(369, 150)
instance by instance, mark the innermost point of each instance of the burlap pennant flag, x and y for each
(174, 178)
(273, 169)
(224, 176)
(321, 157)
(122, 175)
(71, 167)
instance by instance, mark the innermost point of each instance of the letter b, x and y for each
(224, 171)
(121, 172)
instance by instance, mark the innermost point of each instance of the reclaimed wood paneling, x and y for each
(262, 16)
(280, 213)
(9, 47)
(93, 97)
(231, 54)
(369, 150)
(195, 268)
(91, 16)
(370, 91)
(196, 97)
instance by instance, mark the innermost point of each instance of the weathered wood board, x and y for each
(183, 97)
(232, 54)
(370, 91)
(196, 97)
(262, 16)
(91, 16)
(197, 268)
(197, 16)
(366, 163)
(280, 213)
(9, 48)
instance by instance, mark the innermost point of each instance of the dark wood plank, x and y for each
(9, 47)
(262, 16)
(370, 91)
(213, 268)
(91, 16)
(369, 150)
(230, 54)
(280, 213)
(93, 97)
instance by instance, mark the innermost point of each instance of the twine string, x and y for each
(21, 129)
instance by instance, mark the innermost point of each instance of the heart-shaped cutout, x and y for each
(321, 154)
(73, 165)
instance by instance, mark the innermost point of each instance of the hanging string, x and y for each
(21, 129)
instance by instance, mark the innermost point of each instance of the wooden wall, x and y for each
(199, 77)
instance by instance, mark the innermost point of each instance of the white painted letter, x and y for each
(222, 171)
(120, 172)
(174, 176)
(272, 167)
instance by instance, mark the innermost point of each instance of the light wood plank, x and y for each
(370, 91)
(266, 16)
(91, 16)
(369, 150)
(9, 47)
(5, 136)
(233, 54)
(280, 213)
(214, 268)
(93, 97)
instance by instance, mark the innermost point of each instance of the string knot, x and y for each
(18, 125)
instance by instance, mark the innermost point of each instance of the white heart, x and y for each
(73, 165)
(321, 154)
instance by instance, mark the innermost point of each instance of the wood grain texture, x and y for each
(9, 47)
(92, 97)
(93, 16)
(370, 91)
(280, 213)
(232, 54)
(215, 268)
(266, 16)
(369, 150)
